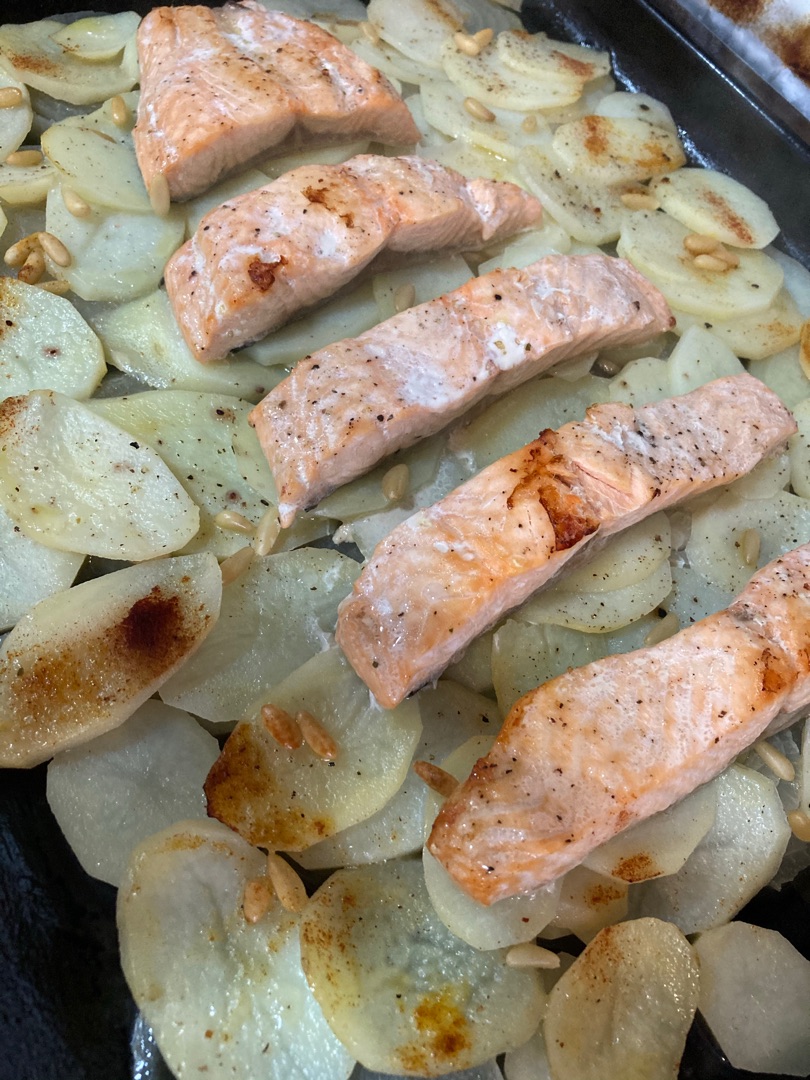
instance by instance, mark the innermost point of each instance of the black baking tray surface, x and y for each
(65, 1011)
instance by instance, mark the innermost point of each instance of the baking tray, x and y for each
(65, 1011)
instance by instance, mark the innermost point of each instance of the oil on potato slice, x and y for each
(625, 1005)
(98, 37)
(754, 336)
(95, 158)
(256, 644)
(654, 243)
(529, 246)
(290, 799)
(16, 118)
(193, 434)
(143, 339)
(76, 482)
(488, 79)
(713, 204)
(224, 996)
(115, 791)
(736, 858)
(400, 991)
(38, 60)
(614, 150)
(45, 344)
(29, 572)
(393, 63)
(82, 661)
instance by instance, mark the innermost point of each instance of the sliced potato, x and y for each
(529, 246)
(98, 37)
(82, 661)
(785, 375)
(617, 149)
(40, 61)
(77, 482)
(797, 279)
(642, 381)
(290, 799)
(393, 63)
(694, 596)
(654, 243)
(504, 134)
(223, 995)
(427, 282)
(699, 357)
(418, 28)
(625, 559)
(142, 338)
(401, 992)
(16, 118)
(96, 159)
(624, 1007)
(471, 161)
(754, 336)
(713, 204)
(126, 785)
(257, 643)
(539, 57)
(45, 344)
(27, 185)
(114, 255)
(636, 106)
(588, 902)
(800, 450)
(487, 78)
(196, 209)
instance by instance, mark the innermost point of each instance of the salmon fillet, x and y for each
(412, 374)
(223, 87)
(263, 257)
(452, 570)
(604, 746)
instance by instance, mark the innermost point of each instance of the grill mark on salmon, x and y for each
(223, 87)
(604, 746)
(411, 375)
(449, 572)
(317, 228)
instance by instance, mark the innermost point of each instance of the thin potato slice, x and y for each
(45, 344)
(16, 118)
(654, 243)
(539, 57)
(393, 63)
(417, 28)
(77, 482)
(504, 134)
(754, 336)
(626, 559)
(401, 992)
(642, 382)
(617, 149)
(587, 903)
(143, 339)
(529, 246)
(193, 434)
(423, 282)
(98, 37)
(196, 209)
(785, 375)
(290, 799)
(488, 79)
(224, 996)
(699, 357)
(800, 450)
(637, 106)
(38, 60)
(257, 643)
(736, 858)
(122, 787)
(27, 185)
(712, 204)
(625, 1005)
(82, 661)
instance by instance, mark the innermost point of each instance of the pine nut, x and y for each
(467, 44)
(396, 482)
(267, 532)
(438, 780)
(780, 764)
(730, 258)
(159, 196)
(478, 111)
(33, 268)
(256, 899)
(316, 736)
(55, 249)
(75, 204)
(404, 297)
(699, 244)
(233, 521)
(235, 565)
(639, 200)
(750, 544)
(668, 626)
(10, 96)
(799, 821)
(24, 158)
(288, 885)
(19, 252)
(282, 727)
(711, 262)
(484, 37)
(530, 955)
(529, 124)
(119, 112)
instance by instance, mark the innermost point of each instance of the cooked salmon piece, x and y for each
(223, 87)
(452, 570)
(263, 257)
(604, 746)
(412, 374)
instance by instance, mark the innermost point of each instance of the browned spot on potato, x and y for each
(638, 867)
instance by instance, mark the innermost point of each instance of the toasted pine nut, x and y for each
(668, 626)
(33, 268)
(804, 347)
(478, 110)
(58, 287)
(55, 249)
(484, 37)
(529, 124)
(639, 200)
(119, 111)
(404, 297)
(159, 196)
(396, 482)
(235, 565)
(288, 885)
(371, 32)
(780, 764)
(267, 531)
(24, 158)
(750, 544)
(467, 44)
(316, 736)
(256, 899)
(19, 252)
(711, 262)
(799, 821)
(282, 727)
(233, 521)
(699, 244)
(10, 96)
(730, 258)
(75, 204)
(438, 780)
(530, 955)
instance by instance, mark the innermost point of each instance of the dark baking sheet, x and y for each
(65, 1012)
